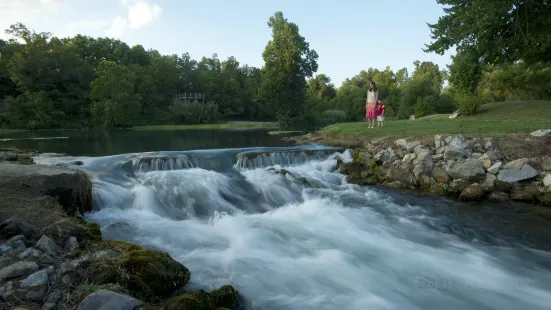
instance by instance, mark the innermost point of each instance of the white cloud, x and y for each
(117, 27)
(140, 14)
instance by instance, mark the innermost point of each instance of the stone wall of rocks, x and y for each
(469, 168)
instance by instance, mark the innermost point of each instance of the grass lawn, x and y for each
(493, 119)
(235, 125)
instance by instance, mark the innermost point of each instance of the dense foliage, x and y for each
(76, 82)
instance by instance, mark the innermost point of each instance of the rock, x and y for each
(455, 115)
(19, 269)
(493, 155)
(385, 156)
(472, 192)
(489, 145)
(72, 188)
(63, 229)
(511, 175)
(545, 163)
(396, 185)
(8, 156)
(503, 186)
(455, 153)
(7, 290)
(13, 245)
(527, 194)
(38, 278)
(494, 169)
(47, 246)
(489, 182)
(486, 161)
(51, 301)
(13, 227)
(408, 146)
(516, 164)
(440, 175)
(476, 155)
(106, 300)
(438, 142)
(545, 199)
(226, 297)
(30, 253)
(198, 300)
(72, 244)
(402, 174)
(498, 196)
(540, 132)
(437, 157)
(161, 274)
(470, 170)
(408, 158)
(46, 259)
(458, 186)
(547, 180)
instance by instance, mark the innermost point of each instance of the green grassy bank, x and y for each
(493, 119)
(230, 125)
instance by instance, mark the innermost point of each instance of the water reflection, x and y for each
(110, 142)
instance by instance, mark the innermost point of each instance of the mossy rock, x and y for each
(155, 270)
(25, 160)
(95, 230)
(198, 300)
(226, 297)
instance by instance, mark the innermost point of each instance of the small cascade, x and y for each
(262, 159)
(164, 163)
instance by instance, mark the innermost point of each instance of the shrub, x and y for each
(333, 116)
(468, 104)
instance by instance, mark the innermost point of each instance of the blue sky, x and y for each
(348, 35)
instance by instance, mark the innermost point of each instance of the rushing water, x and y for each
(303, 238)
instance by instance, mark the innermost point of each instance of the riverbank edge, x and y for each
(51, 258)
(512, 167)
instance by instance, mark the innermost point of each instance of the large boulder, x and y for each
(440, 175)
(456, 149)
(513, 174)
(401, 173)
(72, 188)
(472, 192)
(470, 170)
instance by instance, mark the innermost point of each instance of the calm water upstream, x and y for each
(214, 201)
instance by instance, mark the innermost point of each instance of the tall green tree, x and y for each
(465, 72)
(500, 30)
(288, 62)
(114, 103)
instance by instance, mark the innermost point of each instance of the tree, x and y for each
(500, 31)
(114, 102)
(465, 72)
(288, 62)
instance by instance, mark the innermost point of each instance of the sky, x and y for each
(348, 35)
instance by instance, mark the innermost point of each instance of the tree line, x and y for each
(83, 82)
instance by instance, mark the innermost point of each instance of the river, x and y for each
(303, 238)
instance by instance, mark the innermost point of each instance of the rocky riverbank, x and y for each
(50, 258)
(517, 167)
